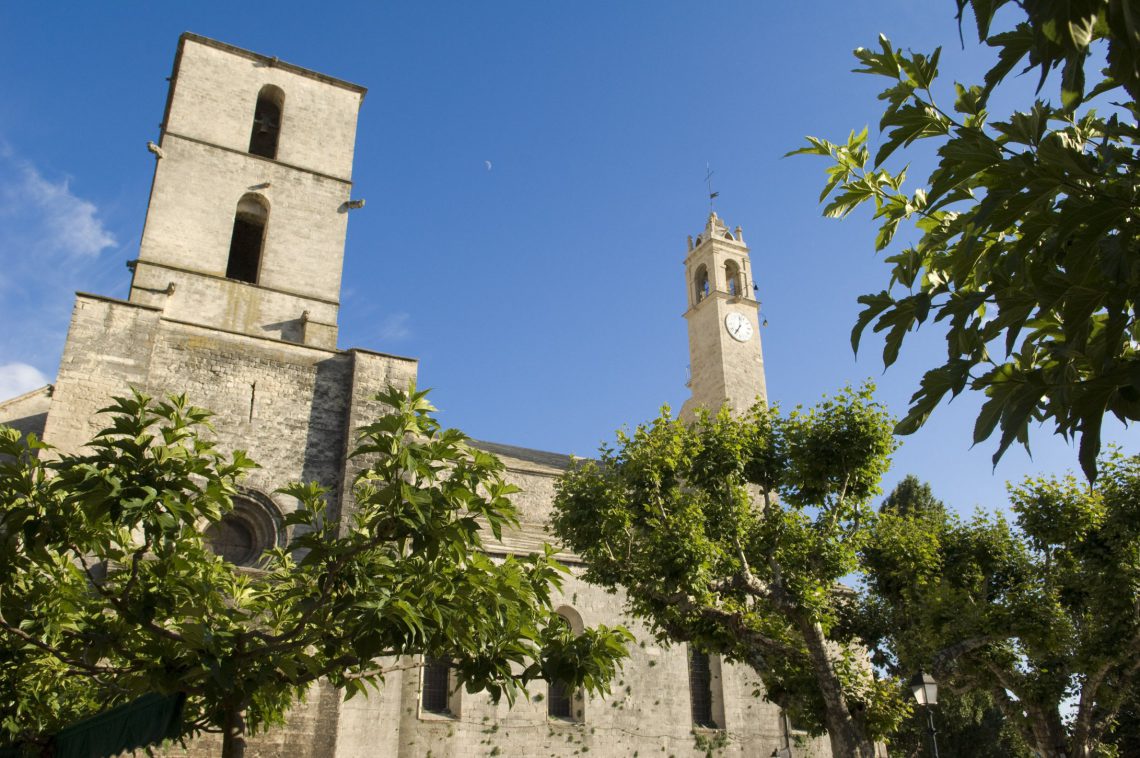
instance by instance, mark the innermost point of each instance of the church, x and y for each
(234, 301)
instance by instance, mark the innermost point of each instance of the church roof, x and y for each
(543, 457)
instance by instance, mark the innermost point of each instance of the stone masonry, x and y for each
(262, 354)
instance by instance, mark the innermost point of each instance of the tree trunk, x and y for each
(848, 737)
(233, 733)
(1049, 736)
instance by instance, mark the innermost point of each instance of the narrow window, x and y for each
(700, 689)
(560, 696)
(560, 704)
(247, 239)
(267, 121)
(732, 277)
(436, 686)
(702, 284)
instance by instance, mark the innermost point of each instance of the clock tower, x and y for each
(725, 358)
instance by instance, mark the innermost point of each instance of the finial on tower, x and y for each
(708, 180)
(715, 228)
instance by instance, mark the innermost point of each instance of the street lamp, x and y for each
(925, 691)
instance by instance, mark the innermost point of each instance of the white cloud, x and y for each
(18, 378)
(394, 327)
(51, 218)
(52, 243)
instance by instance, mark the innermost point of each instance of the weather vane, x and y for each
(708, 180)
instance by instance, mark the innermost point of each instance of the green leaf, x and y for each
(983, 15)
(933, 388)
(876, 304)
(907, 124)
(1072, 83)
(988, 418)
(1014, 46)
(847, 201)
(815, 146)
(969, 100)
(1090, 445)
(885, 63)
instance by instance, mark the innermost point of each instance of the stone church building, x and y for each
(234, 300)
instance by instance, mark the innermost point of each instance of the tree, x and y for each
(1124, 735)
(109, 582)
(733, 533)
(1042, 615)
(1027, 228)
(969, 722)
(912, 497)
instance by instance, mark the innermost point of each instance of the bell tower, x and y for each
(248, 211)
(725, 358)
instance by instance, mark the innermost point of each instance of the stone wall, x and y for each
(648, 712)
(27, 413)
(318, 126)
(305, 232)
(292, 408)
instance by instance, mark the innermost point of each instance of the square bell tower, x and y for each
(726, 360)
(246, 224)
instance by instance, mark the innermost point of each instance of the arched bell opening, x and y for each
(267, 121)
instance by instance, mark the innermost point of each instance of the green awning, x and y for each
(146, 721)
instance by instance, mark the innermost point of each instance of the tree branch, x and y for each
(120, 604)
(733, 622)
(947, 655)
(89, 668)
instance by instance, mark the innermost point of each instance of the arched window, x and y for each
(559, 701)
(267, 121)
(701, 283)
(700, 690)
(562, 701)
(732, 277)
(248, 237)
(243, 535)
(436, 690)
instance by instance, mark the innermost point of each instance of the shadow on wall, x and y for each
(328, 434)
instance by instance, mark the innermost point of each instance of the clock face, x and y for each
(738, 326)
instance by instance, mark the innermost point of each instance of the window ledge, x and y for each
(563, 721)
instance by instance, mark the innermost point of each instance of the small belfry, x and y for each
(725, 357)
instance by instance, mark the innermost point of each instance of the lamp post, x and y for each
(925, 691)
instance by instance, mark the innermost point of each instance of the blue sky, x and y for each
(543, 295)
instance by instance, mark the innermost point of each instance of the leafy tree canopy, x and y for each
(968, 723)
(911, 496)
(732, 533)
(1027, 228)
(1038, 615)
(968, 720)
(111, 591)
